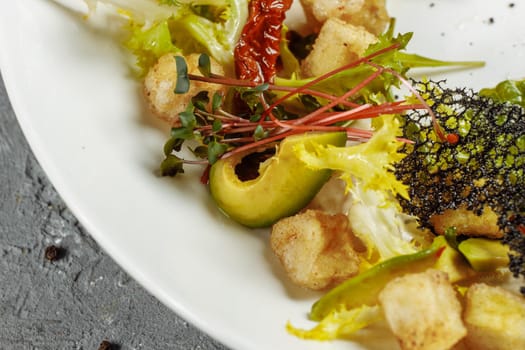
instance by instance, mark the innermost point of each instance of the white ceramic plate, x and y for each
(83, 116)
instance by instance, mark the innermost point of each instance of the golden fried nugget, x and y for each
(160, 82)
(468, 223)
(495, 318)
(316, 249)
(342, 42)
(423, 311)
(370, 14)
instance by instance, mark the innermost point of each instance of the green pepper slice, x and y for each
(364, 288)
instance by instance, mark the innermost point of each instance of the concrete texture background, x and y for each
(80, 300)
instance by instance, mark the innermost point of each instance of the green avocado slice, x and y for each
(284, 184)
(485, 254)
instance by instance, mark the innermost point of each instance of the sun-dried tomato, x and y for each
(257, 51)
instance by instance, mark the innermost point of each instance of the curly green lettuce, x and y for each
(340, 323)
(512, 91)
(158, 27)
(370, 163)
(367, 169)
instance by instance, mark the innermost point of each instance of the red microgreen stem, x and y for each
(239, 133)
(342, 116)
(300, 123)
(217, 79)
(195, 162)
(437, 127)
(333, 72)
(343, 97)
(370, 112)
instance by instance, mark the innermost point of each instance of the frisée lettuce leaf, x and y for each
(369, 162)
(340, 323)
(180, 26)
(366, 168)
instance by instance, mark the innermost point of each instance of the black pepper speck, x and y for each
(53, 253)
(106, 345)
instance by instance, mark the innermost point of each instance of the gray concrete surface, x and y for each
(78, 301)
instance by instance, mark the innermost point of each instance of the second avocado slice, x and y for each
(284, 184)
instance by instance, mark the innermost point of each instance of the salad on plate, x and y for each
(400, 199)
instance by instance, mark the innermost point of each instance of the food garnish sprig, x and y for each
(266, 120)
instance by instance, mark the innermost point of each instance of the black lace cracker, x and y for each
(483, 166)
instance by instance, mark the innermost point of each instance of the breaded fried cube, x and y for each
(468, 223)
(370, 14)
(423, 311)
(338, 43)
(160, 82)
(316, 249)
(495, 318)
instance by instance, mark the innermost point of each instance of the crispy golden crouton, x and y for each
(160, 82)
(338, 43)
(423, 311)
(468, 223)
(495, 318)
(316, 249)
(370, 14)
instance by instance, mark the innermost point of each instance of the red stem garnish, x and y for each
(322, 119)
(205, 177)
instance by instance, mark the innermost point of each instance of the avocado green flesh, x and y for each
(451, 261)
(484, 254)
(284, 186)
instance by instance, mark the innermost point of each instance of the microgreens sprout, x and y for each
(270, 118)
(183, 84)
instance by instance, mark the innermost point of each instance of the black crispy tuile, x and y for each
(492, 173)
